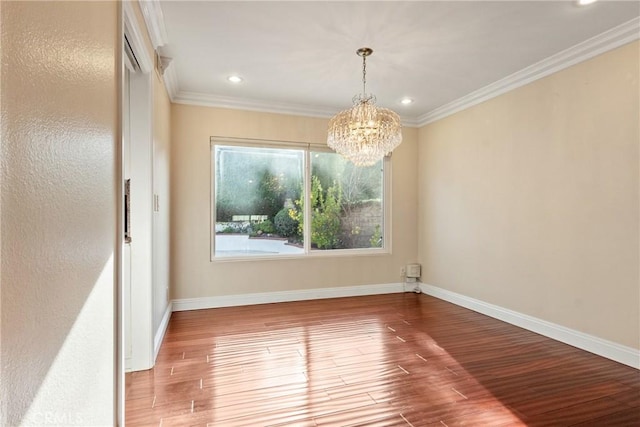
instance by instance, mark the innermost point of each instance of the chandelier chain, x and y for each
(364, 75)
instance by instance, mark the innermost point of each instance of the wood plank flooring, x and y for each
(386, 360)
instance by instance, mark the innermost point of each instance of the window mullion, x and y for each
(307, 202)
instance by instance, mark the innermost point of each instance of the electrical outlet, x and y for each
(403, 271)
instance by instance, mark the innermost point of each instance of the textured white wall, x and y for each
(59, 136)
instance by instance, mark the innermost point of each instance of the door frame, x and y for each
(141, 175)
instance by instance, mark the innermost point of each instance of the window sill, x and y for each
(316, 254)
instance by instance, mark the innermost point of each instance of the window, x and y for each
(281, 199)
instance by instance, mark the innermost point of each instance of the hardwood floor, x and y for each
(386, 360)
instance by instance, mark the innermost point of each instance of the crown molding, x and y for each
(170, 79)
(409, 122)
(216, 101)
(206, 100)
(154, 19)
(609, 40)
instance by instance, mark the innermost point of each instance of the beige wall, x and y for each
(194, 275)
(530, 200)
(59, 145)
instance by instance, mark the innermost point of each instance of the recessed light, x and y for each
(234, 79)
(585, 2)
(406, 101)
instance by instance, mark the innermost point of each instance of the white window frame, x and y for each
(307, 148)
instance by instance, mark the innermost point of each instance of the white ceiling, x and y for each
(300, 56)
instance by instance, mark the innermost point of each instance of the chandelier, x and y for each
(364, 134)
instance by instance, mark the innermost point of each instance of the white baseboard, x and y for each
(617, 352)
(162, 329)
(285, 296)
